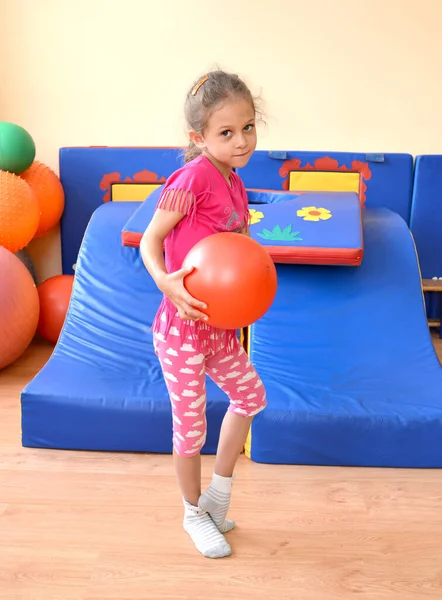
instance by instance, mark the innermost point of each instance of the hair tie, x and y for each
(199, 84)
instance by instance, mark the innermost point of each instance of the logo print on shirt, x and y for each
(232, 220)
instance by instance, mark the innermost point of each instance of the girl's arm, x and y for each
(171, 284)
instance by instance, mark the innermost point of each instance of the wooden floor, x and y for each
(99, 526)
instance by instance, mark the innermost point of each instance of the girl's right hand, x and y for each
(172, 285)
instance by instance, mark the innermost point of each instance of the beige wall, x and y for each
(335, 75)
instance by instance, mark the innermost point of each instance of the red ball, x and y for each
(235, 276)
(55, 295)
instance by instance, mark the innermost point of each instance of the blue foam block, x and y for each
(288, 236)
(102, 389)
(347, 383)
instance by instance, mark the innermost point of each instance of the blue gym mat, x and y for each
(102, 389)
(351, 373)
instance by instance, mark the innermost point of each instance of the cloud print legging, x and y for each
(185, 370)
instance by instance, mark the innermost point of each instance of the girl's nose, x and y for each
(240, 141)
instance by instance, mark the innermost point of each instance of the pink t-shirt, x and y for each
(210, 205)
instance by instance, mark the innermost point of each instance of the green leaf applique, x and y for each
(281, 235)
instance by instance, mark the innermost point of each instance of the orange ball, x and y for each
(19, 212)
(18, 307)
(55, 295)
(50, 195)
(235, 276)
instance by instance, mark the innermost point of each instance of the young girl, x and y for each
(204, 197)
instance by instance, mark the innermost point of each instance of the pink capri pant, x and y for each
(185, 369)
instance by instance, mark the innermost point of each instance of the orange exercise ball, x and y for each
(55, 295)
(50, 195)
(19, 212)
(234, 275)
(19, 308)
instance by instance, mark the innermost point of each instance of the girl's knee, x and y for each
(187, 447)
(250, 403)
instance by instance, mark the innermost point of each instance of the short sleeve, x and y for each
(183, 189)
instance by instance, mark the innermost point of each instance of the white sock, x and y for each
(216, 500)
(204, 533)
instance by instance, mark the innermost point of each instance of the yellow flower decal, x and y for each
(311, 213)
(255, 216)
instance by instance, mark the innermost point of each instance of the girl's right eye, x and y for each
(226, 133)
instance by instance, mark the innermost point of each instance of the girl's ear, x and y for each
(197, 139)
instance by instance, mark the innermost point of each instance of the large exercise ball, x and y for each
(50, 195)
(235, 276)
(19, 308)
(55, 295)
(19, 212)
(17, 148)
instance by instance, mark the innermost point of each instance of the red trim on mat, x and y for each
(109, 179)
(131, 238)
(304, 255)
(300, 255)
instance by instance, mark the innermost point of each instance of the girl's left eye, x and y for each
(249, 127)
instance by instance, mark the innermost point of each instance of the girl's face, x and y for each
(229, 136)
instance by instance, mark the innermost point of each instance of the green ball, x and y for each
(17, 148)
